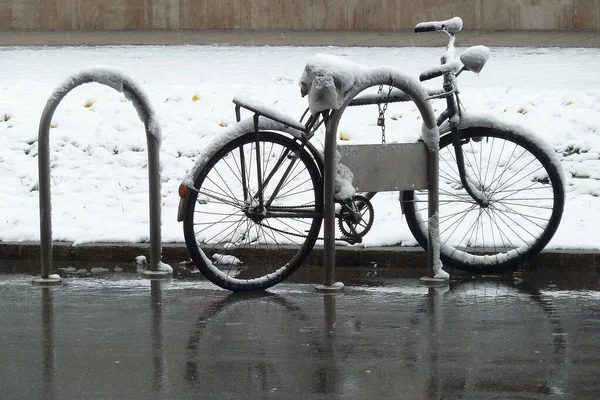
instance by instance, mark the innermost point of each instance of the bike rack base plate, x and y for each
(39, 281)
(334, 288)
(156, 274)
(433, 281)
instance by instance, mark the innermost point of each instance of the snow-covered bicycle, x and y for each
(252, 207)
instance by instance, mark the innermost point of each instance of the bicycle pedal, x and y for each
(351, 240)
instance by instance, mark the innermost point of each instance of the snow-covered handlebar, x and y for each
(452, 67)
(452, 25)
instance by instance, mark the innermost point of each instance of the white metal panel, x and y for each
(386, 167)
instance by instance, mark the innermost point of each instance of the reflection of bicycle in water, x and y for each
(434, 347)
(509, 343)
(261, 344)
(501, 192)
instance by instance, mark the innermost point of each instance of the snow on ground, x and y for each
(98, 157)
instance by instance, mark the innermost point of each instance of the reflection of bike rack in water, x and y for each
(48, 343)
(323, 351)
(495, 288)
(158, 353)
(133, 92)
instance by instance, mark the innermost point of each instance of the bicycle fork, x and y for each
(454, 110)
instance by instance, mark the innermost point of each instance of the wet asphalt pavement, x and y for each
(119, 336)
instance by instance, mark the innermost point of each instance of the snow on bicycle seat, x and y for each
(327, 80)
(267, 111)
(452, 25)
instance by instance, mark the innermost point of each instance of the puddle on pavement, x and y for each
(535, 280)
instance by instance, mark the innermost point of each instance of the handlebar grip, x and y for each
(424, 28)
(427, 75)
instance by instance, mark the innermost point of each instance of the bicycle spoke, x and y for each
(517, 224)
(507, 167)
(267, 159)
(527, 215)
(529, 218)
(293, 194)
(222, 200)
(280, 161)
(500, 232)
(457, 223)
(220, 187)
(445, 176)
(528, 188)
(527, 205)
(217, 222)
(237, 174)
(466, 157)
(463, 238)
(496, 165)
(476, 232)
(286, 235)
(225, 184)
(239, 222)
(449, 216)
(507, 183)
(212, 213)
(491, 146)
(271, 233)
(452, 167)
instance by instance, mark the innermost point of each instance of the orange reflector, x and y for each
(182, 190)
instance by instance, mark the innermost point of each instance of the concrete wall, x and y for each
(384, 15)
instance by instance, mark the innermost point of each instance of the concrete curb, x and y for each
(348, 256)
(297, 38)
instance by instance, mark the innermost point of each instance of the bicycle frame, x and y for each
(452, 115)
(409, 167)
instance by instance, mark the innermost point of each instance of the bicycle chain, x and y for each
(344, 238)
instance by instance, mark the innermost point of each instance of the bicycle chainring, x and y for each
(355, 218)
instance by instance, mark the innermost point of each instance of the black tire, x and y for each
(222, 228)
(513, 229)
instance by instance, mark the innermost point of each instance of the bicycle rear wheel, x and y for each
(256, 213)
(526, 201)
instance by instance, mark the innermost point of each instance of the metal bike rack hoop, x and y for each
(121, 83)
(418, 94)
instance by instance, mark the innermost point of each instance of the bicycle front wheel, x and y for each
(256, 212)
(525, 196)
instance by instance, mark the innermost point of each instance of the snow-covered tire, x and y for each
(233, 242)
(526, 191)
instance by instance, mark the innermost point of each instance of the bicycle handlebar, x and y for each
(440, 70)
(450, 26)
